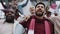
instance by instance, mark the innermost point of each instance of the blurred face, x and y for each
(14, 5)
(39, 10)
(15, 2)
(10, 16)
(32, 10)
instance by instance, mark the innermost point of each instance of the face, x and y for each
(15, 2)
(14, 5)
(32, 10)
(10, 16)
(39, 10)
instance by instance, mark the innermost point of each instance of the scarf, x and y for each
(32, 26)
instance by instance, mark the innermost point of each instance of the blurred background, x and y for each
(54, 5)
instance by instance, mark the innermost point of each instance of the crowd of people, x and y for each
(39, 22)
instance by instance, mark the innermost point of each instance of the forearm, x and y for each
(3, 4)
(24, 3)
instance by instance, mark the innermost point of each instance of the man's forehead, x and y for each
(40, 5)
(9, 10)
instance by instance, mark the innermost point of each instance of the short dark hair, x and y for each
(39, 3)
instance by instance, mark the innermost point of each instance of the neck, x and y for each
(39, 17)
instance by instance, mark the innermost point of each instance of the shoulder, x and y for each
(29, 17)
(55, 18)
(49, 20)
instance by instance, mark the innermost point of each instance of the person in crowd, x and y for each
(7, 26)
(38, 24)
(56, 23)
(55, 14)
(48, 14)
(9, 14)
(32, 10)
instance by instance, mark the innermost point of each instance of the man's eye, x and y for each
(42, 7)
(12, 12)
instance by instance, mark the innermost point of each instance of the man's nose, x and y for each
(39, 8)
(10, 13)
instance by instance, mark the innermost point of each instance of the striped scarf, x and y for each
(32, 24)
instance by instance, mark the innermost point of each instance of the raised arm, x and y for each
(24, 3)
(21, 5)
(3, 4)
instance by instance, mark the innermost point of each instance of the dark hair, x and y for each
(39, 3)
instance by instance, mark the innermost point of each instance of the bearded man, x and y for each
(38, 24)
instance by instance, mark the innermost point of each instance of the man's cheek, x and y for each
(36, 10)
(43, 9)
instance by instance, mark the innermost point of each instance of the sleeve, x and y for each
(57, 20)
(24, 24)
(20, 9)
(24, 3)
(54, 19)
(21, 5)
(19, 29)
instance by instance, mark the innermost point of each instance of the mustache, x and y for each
(9, 14)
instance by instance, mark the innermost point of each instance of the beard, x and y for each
(39, 14)
(10, 19)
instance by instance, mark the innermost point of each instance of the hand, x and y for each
(26, 18)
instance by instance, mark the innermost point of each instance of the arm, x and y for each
(23, 4)
(19, 29)
(24, 24)
(20, 9)
(3, 4)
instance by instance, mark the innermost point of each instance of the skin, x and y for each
(32, 10)
(10, 16)
(39, 10)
